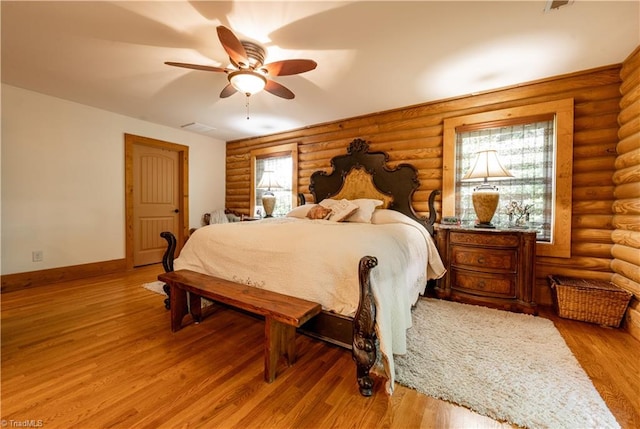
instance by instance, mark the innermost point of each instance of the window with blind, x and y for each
(280, 168)
(281, 164)
(525, 148)
(535, 143)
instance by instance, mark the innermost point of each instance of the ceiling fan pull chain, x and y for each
(247, 106)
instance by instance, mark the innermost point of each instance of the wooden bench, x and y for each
(282, 313)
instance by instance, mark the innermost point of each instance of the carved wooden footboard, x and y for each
(167, 263)
(364, 335)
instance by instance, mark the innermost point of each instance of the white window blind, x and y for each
(527, 151)
(282, 168)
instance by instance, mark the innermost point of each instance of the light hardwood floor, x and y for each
(99, 354)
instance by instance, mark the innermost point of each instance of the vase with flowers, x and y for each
(518, 214)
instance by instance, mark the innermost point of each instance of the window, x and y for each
(280, 163)
(525, 148)
(535, 144)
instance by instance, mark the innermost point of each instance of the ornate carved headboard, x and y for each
(364, 174)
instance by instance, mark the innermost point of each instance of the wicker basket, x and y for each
(592, 301)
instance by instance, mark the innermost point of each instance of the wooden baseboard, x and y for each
(543, 293)
(18, 281)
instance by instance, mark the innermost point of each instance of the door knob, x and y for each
(176, 211)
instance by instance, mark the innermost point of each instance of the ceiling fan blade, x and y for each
(228, 91)
(233, 46)
(276, 89)
(289, 67)
(196, 67)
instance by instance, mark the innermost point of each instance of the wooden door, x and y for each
(156, 201)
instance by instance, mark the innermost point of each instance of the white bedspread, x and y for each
(318, 260)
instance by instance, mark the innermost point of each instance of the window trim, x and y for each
(272, 152)
(560, 245)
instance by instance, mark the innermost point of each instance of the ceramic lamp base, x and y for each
(485, 203)
(269, 203)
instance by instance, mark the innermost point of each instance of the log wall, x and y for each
(414, 134)
(626, 179)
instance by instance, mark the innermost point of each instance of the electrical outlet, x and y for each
(37, 256)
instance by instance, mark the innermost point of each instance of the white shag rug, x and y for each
(511, 367)
(155, 287)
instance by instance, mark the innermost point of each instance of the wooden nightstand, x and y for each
(491, 267)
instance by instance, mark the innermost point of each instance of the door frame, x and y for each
(183, 189)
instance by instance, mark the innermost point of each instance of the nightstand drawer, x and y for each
(486, 240)
(502, 286)
(495, 259)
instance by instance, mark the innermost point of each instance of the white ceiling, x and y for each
(372, 55)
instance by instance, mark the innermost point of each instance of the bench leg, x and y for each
(279, 340)
(179, 309)
(195, 305)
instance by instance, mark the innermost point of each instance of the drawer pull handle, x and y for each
(481, 259)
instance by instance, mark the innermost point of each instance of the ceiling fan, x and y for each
(249, 74)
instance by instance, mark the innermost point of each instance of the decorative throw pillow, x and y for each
(328, 202)
(318, 212)
(341, 210)
(366, 207)
(300, 212)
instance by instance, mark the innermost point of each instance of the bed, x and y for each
(366, 270)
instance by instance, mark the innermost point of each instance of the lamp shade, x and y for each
(268, 181)
(248, 82)
(486, 166)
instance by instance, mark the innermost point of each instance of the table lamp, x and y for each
(268, 182)
(485, 197)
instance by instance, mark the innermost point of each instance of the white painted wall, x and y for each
(63, 179)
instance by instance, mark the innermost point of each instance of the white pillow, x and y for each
(366, 207)
(383, 216)
(300, 212)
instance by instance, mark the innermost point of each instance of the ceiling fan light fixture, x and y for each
(247, 73)
(247, 82)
